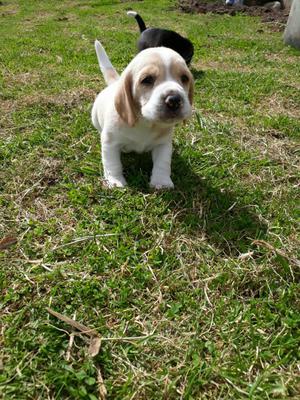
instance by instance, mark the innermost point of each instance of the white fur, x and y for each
(145, 134)
(105, 64)
(132, 13)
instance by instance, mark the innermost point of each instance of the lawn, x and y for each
(195, 291)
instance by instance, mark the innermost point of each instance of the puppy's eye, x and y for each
(184, 78)
(148, 80)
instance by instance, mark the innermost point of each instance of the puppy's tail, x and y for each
(139, 20)
(109, 73)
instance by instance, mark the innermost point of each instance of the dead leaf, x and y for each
(7, 242)
(95, 345)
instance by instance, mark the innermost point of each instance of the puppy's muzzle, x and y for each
(173, 102)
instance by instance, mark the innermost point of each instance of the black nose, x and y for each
(173, 102)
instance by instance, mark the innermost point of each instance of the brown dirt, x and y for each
(218, 7)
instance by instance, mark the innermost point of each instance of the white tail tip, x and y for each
(109, 73)
(98, 45)
(132, 13)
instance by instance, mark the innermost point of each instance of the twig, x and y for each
(160, 296)
(101, 387)
(282, 253)
(128, 338)
(84, 239)
(206, 295)
(62, 330)
(210, 278)
(245, 256)
(71, 341)
(95, 340)
(113, 339)
(46, 268)
(95, 344)
(77, 325)
(236, 387)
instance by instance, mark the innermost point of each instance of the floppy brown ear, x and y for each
(124, 101)
(191, 90)
(191, 93)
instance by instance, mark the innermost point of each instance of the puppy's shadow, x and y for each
(202, 207)
(199, 206)
(137, 170)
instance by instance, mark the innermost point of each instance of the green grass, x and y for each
(207, 273)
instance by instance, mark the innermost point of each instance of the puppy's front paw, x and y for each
(161, 183)
(112, 182)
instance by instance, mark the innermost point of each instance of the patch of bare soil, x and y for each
(218, 7)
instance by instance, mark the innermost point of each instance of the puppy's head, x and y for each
(156, 86)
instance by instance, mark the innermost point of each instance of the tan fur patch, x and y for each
(110, 75)
(179, 69)
(126, 104)
(124, 101)
(153, 66)
(161, 131)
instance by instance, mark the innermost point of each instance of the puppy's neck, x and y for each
(161, 130)
(156, 125)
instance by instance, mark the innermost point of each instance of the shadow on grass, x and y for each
(197, 74)
(199, 206)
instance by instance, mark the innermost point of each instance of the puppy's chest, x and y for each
(142, 140)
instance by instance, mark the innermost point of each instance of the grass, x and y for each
(207, 275)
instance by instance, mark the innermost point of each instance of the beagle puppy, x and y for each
(138, 110)
(156, 37)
